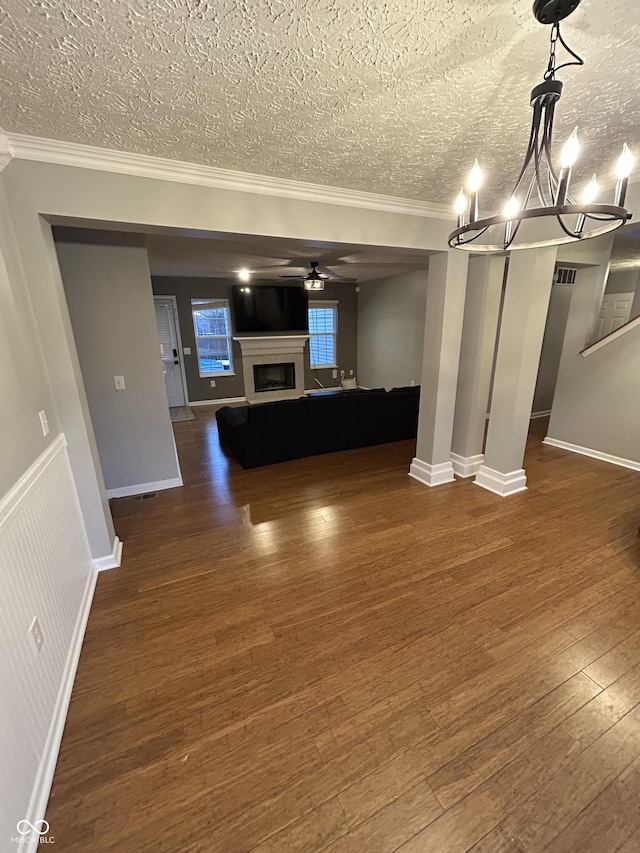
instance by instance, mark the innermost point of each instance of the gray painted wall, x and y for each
(391, 318)
(552, 347)
(24, 387)
(185, 289)
(597, 400)
(110, 302)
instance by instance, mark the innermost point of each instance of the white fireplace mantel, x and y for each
(271, 349)
(272, 344)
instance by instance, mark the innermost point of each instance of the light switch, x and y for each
(213, 383)
(118, 383)
(44, 422)
(186, 350)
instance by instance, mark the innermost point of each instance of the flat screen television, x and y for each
(270, 308)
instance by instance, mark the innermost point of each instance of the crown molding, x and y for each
(5, 152)
(24, 147)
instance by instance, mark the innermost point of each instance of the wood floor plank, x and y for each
(390, 827)
(539, 820)
(477, 764)
(500, 840)
(288, 654)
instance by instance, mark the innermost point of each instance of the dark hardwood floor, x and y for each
(325, 655)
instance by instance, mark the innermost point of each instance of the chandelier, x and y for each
(540, 210)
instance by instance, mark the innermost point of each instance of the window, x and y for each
(323, 332)
(212, 324)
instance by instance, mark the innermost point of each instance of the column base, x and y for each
(466, 466)
(431, 475)
(499, 483)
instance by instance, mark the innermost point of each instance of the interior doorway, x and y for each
(171, 350)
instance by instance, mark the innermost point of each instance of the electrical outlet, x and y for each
(36, 633)
(413, 382)
(186, 350)
(44, 422)
(118, 383)
(351, 372)
(334, 373)
(213, 383)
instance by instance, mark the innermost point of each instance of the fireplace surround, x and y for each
(266, 353)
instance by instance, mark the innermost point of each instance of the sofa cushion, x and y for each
(277, 431)
(344, 421)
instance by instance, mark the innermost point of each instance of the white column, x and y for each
(524, 315)
(446, 285)
(481, 310)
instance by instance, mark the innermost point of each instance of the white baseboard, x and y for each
(110, 561)
(222, 402)
(143, 488)
(535, 415)
(46, 769)
(501, 484)
(431, 475)
(594, 454)
(466, 466)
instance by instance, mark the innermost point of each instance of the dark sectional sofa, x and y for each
(265, 433)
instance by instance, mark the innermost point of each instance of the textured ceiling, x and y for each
(271, 257)
(268, 258)
(395, 97)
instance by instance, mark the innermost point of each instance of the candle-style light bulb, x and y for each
(476, 177)
(511, 208)
(568, 157)
(570, 150)
(625, 164)
(461, 203)
(461, 206)
(624, 167)
(590, 192)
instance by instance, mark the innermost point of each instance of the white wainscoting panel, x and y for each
(45, 571)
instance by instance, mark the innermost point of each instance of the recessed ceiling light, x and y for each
(244, 274)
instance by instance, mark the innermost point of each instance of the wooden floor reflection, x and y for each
(325, 655)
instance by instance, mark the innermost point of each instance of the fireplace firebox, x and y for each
(274, 377)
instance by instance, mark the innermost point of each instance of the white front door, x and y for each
(167, 335)
(614, 312)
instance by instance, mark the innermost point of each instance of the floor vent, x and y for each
(144, 497)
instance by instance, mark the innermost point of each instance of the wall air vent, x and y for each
(565, 275)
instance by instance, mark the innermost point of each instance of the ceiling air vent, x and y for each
(565, 275)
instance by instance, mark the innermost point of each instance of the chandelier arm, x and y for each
(540, 188)
(566, 230)
(552, 177)
(535, 130)
(473, 239)
(514, 233)
(551, 113)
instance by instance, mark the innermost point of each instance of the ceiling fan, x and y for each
(315, 280)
